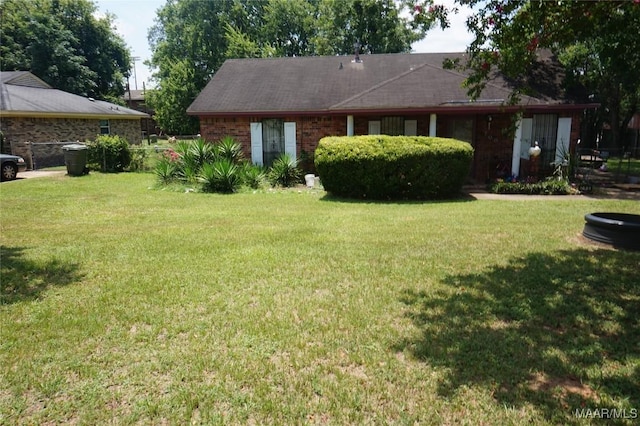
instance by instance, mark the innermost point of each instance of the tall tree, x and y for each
(205, 33)
(597, 42)
(65, 44)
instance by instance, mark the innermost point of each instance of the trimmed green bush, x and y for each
(108, 154)
(546, 187)
(393, 167)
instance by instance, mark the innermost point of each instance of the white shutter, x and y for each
(374, 127)
(562, 141)
(256, 144)
(290, 139)
(525, 137)
(410, 127)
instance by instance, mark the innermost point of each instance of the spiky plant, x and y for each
(285, 171)
(220, 176)
(230, 149)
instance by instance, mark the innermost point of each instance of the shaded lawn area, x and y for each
(121, 303)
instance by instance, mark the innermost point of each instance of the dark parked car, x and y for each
(11, 165)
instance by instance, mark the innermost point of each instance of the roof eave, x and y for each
(457, 109)
(40, 114)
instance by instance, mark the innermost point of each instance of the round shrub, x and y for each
(393, 167)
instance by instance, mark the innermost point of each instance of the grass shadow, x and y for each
(24, 279)
(462, 197)
(558, 331)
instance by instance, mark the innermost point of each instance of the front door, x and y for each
(272, 140)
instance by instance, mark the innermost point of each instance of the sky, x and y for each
(135, 17)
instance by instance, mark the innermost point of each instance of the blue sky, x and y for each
(135, 17)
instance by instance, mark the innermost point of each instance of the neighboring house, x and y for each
(36, 119)
(287, 105)
(135, 99)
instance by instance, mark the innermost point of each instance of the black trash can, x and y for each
(75, 158)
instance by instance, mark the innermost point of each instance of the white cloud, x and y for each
(453, 39)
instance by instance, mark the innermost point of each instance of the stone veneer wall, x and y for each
(36, 139)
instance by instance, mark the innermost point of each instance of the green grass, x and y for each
(125, 304)
(624, 166)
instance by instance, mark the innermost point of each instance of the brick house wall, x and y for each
(309, 130)
(492, 139)
(20, 132)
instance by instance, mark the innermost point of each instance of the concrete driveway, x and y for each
(41, 173)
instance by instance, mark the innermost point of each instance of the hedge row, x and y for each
(393, 167)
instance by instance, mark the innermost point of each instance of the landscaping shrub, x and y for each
(138, 160)
(220, 176)
(393, 167)
(284, 171)
(230, 149)
(165, 170)
(546, 187)
(108, 154)
(253, 176)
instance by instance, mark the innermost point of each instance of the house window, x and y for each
(272, 140)
(462, 129)
(393, 126)
(544, 131)
(104, 127)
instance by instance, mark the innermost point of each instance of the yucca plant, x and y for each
(230, 149)
(220, 176)
(165, 170)
(285, 171)
(253, 176)
(202, 152)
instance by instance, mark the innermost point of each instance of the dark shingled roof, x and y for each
(24, 94)
(337, 84)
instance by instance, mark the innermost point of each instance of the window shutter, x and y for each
(290, 139)
(410, 127)
(525, 137)
(562, 141)
(374, 127)
(256, 144)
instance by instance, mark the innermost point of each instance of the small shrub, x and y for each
(165, 170)
(108, 154)
(220, 176)
(138, 160)
(546, 187)
(253, 176)
(284, 171)
(230, 149)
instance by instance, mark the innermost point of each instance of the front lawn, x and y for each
(125, 304)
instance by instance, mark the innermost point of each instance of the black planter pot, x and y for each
(621, 230)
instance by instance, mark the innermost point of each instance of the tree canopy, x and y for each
(201, 35)
(65, 44)
(597, 42)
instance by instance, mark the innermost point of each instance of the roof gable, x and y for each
(23, 78)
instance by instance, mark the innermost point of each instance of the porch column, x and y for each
(349, 125)
(432, 124)
(517, 147)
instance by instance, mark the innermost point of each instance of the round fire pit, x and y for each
(621, 230)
